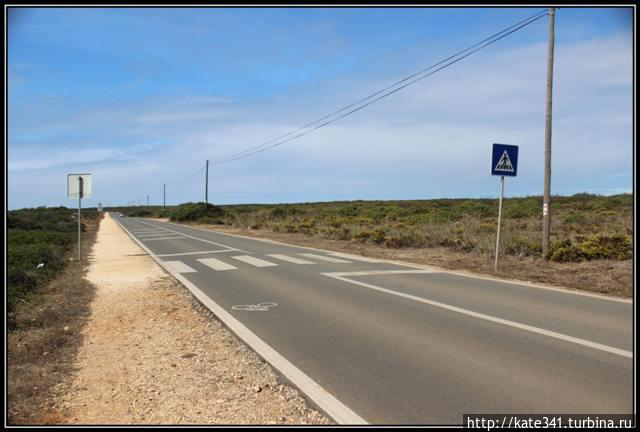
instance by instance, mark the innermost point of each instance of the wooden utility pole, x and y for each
(164, 195)
(546, 205)
(206, 185)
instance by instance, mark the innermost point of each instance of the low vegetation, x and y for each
(39, 242)
(585, 227)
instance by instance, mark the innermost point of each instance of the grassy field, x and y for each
(39, 236)
(584, 227)
(591, 235)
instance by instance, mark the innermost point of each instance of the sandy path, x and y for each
(151, 355)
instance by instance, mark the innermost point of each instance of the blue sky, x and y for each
(142, 97)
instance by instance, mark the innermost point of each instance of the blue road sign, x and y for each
(504, 160)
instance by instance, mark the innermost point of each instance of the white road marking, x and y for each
(509, 323)
(180, 267)
(436, 269)
(174, 237)
(154, 234)
(161, 238)
(216, 264)
(378, 272)
(194, 237)
(258, 307)
(254, 261)
(290, 259)
(194, 253)
(324, 258)
(356, 257)
(341, 413)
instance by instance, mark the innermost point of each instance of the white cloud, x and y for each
(432, 139)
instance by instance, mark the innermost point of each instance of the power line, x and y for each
(383, 93)
(187, 177)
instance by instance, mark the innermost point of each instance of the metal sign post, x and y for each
(79, 186)
(504, 162)
(499, 219)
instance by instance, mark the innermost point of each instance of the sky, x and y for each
(140, 97)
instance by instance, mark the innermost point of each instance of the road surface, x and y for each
(397, 344)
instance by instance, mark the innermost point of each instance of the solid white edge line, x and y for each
(433, 268)
(517, 325)
(325, 400)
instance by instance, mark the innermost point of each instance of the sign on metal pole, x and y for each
(504, 162)
(79, 186)
(73, 185)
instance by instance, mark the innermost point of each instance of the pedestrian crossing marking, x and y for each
(180, 267)
(216, 264)
(356, 257)
(290, 259)
(254, 261)
(324, 258)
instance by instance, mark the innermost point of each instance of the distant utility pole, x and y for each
(546, 205)
(164, 195)
(206, 185)
(147, 200)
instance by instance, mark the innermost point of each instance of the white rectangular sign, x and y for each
(73, 185)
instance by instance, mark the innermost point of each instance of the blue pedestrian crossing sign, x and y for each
(504, 160)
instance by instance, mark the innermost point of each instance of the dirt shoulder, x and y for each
(608, 277)
(150, 354)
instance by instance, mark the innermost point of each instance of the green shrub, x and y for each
(207, 213)
(139, 212)
(35, 236)
(377, 236)
(405, 240)
(615, 247)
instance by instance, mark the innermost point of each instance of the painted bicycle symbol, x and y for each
(258, 307)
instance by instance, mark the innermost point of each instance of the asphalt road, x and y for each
(399, 344)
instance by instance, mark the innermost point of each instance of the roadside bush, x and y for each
(615, 247)
(405, 240)
(377, 236)
(520, 246)
(342, 233)
(198, 212)
(139, 212)
(38, 236)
